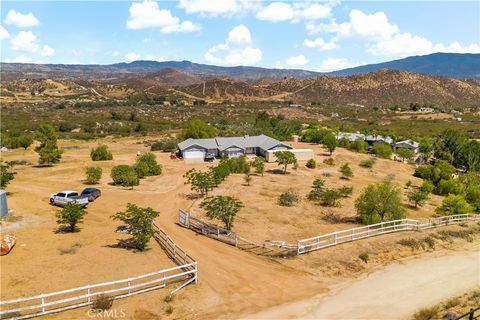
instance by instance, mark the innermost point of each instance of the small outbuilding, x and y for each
(407, 144)
(3, 203)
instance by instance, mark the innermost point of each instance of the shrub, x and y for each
(236, 165)
(427, 186)
(408, 184)
(329, 161)
(430, 241)
(168, 309)
(258, 164)
(330, 142)
(288, 198)
(71, 214)
(358, 145)
(346, 171)
(168, 145)
(330, 197)
(382, 150)
(312, 164)
(380, 202)
(147, 165)
(101, 153)
(124, 175)
(364, 256)
(417, 197)
(368, 163)
(93, 175)
(247, 178)
(6, 174)
(454, 204)
(451, 186)
(102, 303)
(345, 191)
(426, 313)
(409, 242)
(137, 223)
(197, 129)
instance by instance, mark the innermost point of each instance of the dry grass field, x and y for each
(44, 260)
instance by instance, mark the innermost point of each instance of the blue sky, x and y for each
(316, 35)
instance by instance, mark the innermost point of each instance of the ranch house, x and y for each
(229, 147)
(408, 144)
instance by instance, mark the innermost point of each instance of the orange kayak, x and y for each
(7, 243)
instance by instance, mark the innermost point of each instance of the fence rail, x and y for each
(338, 237)
(185, 272)
(279, 248)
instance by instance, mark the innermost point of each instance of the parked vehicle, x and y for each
(91, 193)
(64, 197)
(209, 157)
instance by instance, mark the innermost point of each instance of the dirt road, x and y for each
(395, 292)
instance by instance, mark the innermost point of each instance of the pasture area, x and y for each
(44, 261)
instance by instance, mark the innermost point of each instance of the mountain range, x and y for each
(454, 65)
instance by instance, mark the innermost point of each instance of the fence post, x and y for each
(335, 239)
(188, 219)
(298, 247)
(196, 273)
(470, 315)
(129, 289)
(43, 304)
(236, 240)
(88, 294)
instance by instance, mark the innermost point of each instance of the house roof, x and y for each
(386, 139)
(350, 136)
(411, 143)
(222, 143)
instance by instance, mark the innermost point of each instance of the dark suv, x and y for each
(91, 193)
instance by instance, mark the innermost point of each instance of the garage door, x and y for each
(194, 155)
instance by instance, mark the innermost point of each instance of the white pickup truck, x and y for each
(64, 197)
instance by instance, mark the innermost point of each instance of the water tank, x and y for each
(3, 203)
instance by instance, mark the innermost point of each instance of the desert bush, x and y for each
(124, 175)
(430, 241)
(364, 256)
(329, 161)
(137, 223)
(427, 186)
(454, 204)
(146, 165)
(312, 164)
(345, 191)
(93, 175)
(288, 198)
(451, 186)
(168, 145)
(426, 313)
(409, 242)
(346, 171)
(368, 163)
(71, 214)
(248, 178)
(358, 145)
(70, 250)
(102, 303)
(417, 197)
(258, 164)
(197, 129)
(101, 153)
(168, 309)
(382, 150)
(168, 298)
(330, 197)
(236, 165)
(452, 302)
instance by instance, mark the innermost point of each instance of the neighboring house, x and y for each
(350, 136)
(371, 139)
(408, 144)
(229, 147)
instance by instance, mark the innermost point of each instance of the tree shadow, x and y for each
(126, 244)
(42, 166)
(193, 196)
(63, 229)
(277, 171)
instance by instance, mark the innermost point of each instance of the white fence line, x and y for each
(186, 272)
(338, 237)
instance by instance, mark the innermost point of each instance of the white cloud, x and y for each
(131, 56)
(21, 20)
(332, 64)
(295, 12)
(4, 33)
(25, 41)
(151, 57)
(236, 50)
(299, 60)
(320, 44)
(147, 14)
(216, 7)
(20, 59)
(47, 51)
(115, 54)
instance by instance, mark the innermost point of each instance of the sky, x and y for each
(308, 34)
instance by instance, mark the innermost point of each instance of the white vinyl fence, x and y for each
(338, 237)
(185, 272)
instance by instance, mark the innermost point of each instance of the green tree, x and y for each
(417, 197)
(284, 158)
(405, 154)
(223, 208)
(382, 150)
(125, 176)
(454, 204)
(71, 215)
(25, 142)
(330, 142)
(259, 165)
(146, 165)
(197, 129)
(330, 197)
(48, 150)
(220, 172)
(359, 145)
(6, 174)
(101, 153)
(426, 147)
(93, 175)
(200, 181)
(346, 171)
(317, 190)
(137, 223)
(380, 202)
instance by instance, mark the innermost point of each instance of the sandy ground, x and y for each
(231, 281)
(395, 292)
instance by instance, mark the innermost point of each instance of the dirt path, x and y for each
(395, 292)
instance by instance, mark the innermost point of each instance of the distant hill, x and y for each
(454, 65)
(382, 87)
